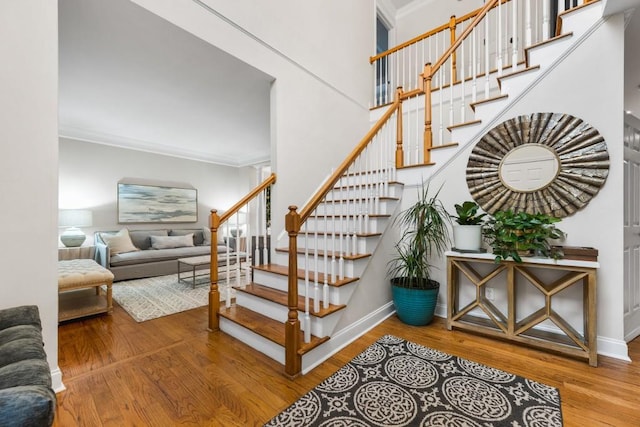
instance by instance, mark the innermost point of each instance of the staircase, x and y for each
(291, 308)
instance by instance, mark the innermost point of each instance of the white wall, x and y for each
(28, 164)
(89, 174)
(317, 53)
(419, 17)
(570, 89)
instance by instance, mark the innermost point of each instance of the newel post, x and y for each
(399, 150)
(214, 293)
(293, 361)
(454, 67)
(428, 133)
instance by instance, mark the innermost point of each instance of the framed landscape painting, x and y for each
(150, 203)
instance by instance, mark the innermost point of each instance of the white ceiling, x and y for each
(130, 79)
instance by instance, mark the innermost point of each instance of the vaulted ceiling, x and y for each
(131, 79)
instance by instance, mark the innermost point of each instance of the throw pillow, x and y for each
(119, 243)
(169, 242)
(206, 231)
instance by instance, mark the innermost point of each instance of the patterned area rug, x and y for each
(398, 383)
(153, 297)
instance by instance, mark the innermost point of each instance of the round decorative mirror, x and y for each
(529, 167)
(549, 163)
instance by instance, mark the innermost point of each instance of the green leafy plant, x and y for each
(425, 233)
(468, 214)
(513, 234)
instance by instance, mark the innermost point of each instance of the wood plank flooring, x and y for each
(172, 372)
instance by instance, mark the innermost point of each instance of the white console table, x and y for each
(505, 324)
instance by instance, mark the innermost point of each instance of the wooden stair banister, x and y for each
(293, 223)
(431, 70)
(215, 221)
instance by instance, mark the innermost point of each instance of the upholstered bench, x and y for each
(26, 397)
(76, 278)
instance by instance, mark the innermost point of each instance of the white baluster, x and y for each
(307, 318)
(546, 19)
(453, 77)
(316, 287)
(514, 37)
(527, 23)
(463, 105)
(487, 67)
(499, 41)
(474, 64)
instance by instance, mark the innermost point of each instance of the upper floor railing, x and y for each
(495, 46)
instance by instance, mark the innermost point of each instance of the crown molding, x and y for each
(119, 141)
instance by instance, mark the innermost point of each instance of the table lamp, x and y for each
(73, 219)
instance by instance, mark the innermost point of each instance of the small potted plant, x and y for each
(467, 234)
(516, 234)
(425, 233)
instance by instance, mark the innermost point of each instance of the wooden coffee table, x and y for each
(197, 262)
(193, 263)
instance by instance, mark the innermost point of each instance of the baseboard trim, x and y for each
(56, 380)
(346, 336)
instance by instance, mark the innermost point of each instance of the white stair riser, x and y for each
(392, 190)
(363, 245)
(488, 110)
(337, 295)
(258, 342)
(547, 54)
(384, 207)
(371, 179)
(320, 326)
(351, 267)
(581, 20)
(465, 133)
(361, 223)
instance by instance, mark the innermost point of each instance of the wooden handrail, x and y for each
(215, 221)
(429, 33)
(485, 9)
(306, 211)
(271, 179)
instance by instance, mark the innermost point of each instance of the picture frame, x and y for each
(141, 203)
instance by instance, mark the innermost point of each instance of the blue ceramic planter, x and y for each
(415, 306)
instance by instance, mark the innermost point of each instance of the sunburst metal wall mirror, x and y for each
(550, 163)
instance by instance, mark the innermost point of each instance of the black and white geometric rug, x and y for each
(399, 383)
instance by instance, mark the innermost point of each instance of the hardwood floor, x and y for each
(172, 371)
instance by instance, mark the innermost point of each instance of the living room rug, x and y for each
(399, 383)
(153, 297)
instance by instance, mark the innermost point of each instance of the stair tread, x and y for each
(329, 253)
(544, 42)
(358, 200)
(322, 233)
(443, 146)
(485, 101)
(351, 216)
(469, 123)
(342, 187)
(282, 298)
(515, 73)
(283, 270)
(266, 327)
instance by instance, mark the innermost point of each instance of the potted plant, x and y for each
(424, 234)
(515, 234)
(467, 234)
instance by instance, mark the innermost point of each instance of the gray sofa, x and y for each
(147, 261)
(26, 397)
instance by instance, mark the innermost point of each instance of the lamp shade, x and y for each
(75, 218)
